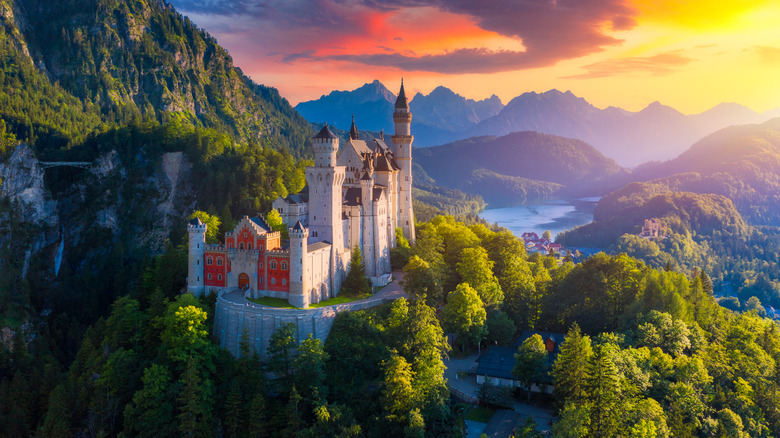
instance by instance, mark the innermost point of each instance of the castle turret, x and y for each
(402, 153)
(368, 232)
(195, 277)
(353, 132)
(325, 180)
(299, 280)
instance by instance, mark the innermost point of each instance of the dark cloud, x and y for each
(550, 30)
(656, 65)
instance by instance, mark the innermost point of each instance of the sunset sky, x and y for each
(690, 55)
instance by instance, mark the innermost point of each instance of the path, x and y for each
(467, 387)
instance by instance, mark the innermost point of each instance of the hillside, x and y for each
(127, 59)
(527, 165)
(740, 162)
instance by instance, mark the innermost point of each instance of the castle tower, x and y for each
(385, 175)
(195, 272)
(369, 243)
(402, 140)
(299, 282)
(325, 180)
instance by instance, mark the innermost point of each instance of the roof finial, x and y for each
(353, 132)
(400, 102)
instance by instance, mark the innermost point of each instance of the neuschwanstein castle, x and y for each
(354, 198)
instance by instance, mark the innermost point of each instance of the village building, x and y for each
(355, 198)
(495, 365)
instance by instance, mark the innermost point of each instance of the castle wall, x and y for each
(231, 316)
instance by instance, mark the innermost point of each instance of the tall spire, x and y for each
(353, 132)
(401, 103)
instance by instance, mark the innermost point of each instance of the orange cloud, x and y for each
(656, 65)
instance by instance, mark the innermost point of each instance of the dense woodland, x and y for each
(648, 353)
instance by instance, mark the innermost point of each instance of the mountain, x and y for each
(439, 117)
(739, 162)
(538, 164)
(371, 104)
(658, 132)
(124, 60)
(442, 115)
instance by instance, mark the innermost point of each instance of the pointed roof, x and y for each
(325, 132)
(196, 221)
(298, 226)
(366, 177)
(383, 164)
(353, 132)
(401, 103)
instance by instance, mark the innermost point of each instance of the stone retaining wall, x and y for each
(231, 316)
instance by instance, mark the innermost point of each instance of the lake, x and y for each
(556, 216)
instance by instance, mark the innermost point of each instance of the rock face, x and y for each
(22, 182)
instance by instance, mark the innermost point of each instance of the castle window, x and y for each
(281, 210)
(260, 265)
(260, 280)
(248, 246)
(273, 281)
(245, 231)
(284, 282)
(273, 264)
(284, 266)
(259, 247)
(219, 262)
(209, 277)
(241, 245)
(208, 260)
(198, 262)
(219, 276)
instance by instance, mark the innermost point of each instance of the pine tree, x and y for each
(602, 388)
(191, 402)
(569, 367)
(356, 282)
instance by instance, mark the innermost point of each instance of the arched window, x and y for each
(284, 266)
(284, 282)
(209, 276)
(273, 264)
(248, 246)
(219, 276)
(219, 262)
(273, 281)
(259, 247)
(209, 260)
(241, 245)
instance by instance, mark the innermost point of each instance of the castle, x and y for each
(354, 198)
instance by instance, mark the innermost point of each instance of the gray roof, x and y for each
(497, 362)
(259, 221)
(298, 226)
(383, 164)
(325, 132)
(318, 245)
(401, 102)
(352, 196)
(195, 221)
(361, 147)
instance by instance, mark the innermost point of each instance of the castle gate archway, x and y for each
(243, 281)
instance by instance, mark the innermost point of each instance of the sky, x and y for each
(691, 55)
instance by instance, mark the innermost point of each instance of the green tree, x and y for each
(501, 329)
(194, 400)
(274, 220)
(569, 369)
(310, 366)
(547, 235)
(476, 269)
(281, 348)
(398, 393)
(356, 282)
(151, 413)
(420, 280)
(465, 315)
(185, 334)
(602, 389)
(212, 222)
(530, 362)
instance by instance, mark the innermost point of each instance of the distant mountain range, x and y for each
(521, 167)
(656, 133)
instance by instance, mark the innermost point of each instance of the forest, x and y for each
(649, 353)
